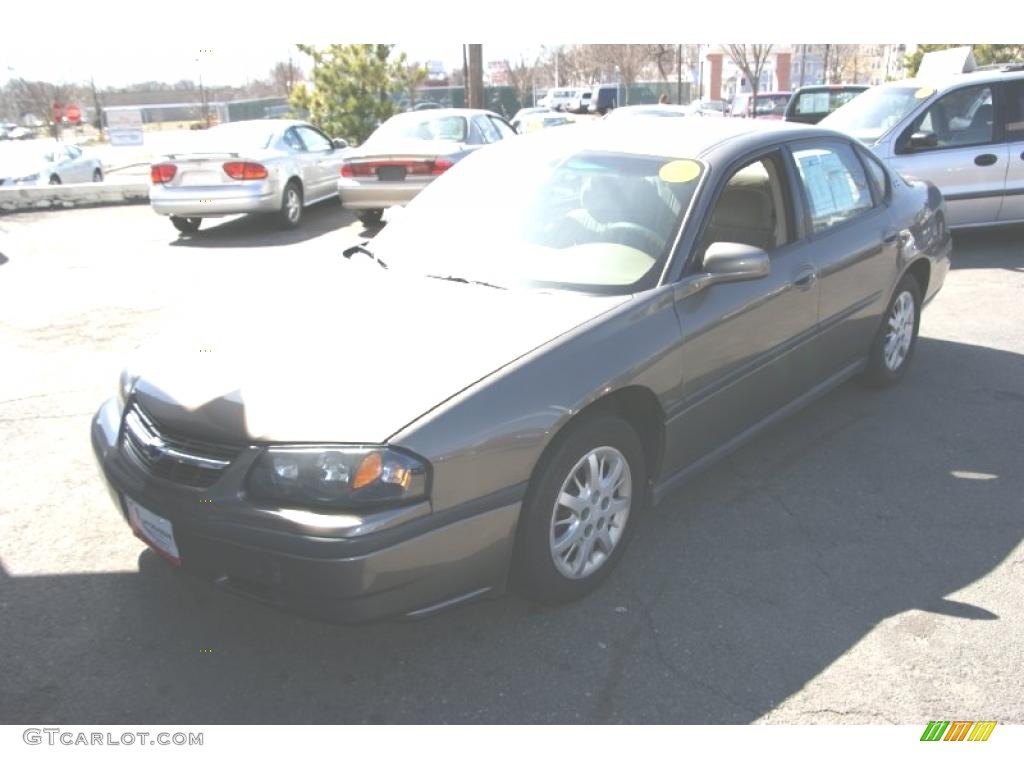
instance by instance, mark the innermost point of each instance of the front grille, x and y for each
(181, 460)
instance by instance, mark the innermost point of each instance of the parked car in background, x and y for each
(47, 162)
(277, 167)
(811, 103)
(408, 152)
(603, 99)
(771, 105)
(649, 110)
(517, 121)
(539, 122)
(962, 132)
(707, 108)
(580, 101)
(427, 105)
(557, 99)
(442, 452)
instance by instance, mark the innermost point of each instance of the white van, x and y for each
(557, 98)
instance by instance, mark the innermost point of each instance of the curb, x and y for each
(74, 196)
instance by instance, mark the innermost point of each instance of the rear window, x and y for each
(822, 102)
(235, 136)
(423, 127)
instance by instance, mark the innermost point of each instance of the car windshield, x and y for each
(425, 127)
(869, 116)
(771, 104)
(540, 212)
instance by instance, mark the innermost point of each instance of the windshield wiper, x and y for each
(457, 279)
(348, 253)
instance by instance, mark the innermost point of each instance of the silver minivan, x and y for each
(964, 133)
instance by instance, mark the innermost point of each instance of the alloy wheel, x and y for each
(590, 512)
(901, 331)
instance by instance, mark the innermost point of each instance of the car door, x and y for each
(1013, 126)
(79, 168)
(321, 163)
(855, 247)
(966, 159)
(744, 346)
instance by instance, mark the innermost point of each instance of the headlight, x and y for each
(125, 386)
(340, 477)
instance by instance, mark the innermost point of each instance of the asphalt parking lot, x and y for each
(860, 563)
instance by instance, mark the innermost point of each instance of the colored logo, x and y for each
(958, 730)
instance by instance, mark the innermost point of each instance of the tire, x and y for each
(187, 225)
(97, 176)
(291, 205)
(893, 347)
(551, 563)
(54, 179)
(371, 217)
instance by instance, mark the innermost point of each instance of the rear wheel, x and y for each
(55, 179)
(580, 510)
(188, 224)
(894, 345)
(97, 175)
(370, 217)
(291, 206)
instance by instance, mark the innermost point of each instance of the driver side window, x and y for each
(751, 208)
(961, 118)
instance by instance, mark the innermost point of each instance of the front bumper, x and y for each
(208, 202)
(413, 568)
(358, 195)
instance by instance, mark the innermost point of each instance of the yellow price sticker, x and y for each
(679, 171)
(923, 93)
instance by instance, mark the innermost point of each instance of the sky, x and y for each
(232, 64)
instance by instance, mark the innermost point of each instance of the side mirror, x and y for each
(731, 262)
(339, 143)
(922, 140)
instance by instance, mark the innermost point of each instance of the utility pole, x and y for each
(96, 106)
(803, 63)
(476, 76)
(679, 74)
(465, 76)
(827, 79)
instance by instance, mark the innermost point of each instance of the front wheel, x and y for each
(97, 176)
(894, 345)
(55, 180)
(186, 225)
(580, 510)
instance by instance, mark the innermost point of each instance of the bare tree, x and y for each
(751, 60)
(521, 77)
(284, 76)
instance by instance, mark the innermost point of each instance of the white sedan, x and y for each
(47, 162)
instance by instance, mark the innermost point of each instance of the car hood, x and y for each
(352, 361)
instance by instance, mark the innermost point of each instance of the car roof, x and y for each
(831, 87)
(687, 137)
(448, 112)
(946, 82)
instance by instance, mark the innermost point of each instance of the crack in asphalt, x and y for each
(54, 416)
(845, 713)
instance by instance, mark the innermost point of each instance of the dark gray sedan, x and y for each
(554, 335)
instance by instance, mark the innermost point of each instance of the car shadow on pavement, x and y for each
(999, 247)
(254, 230)
(868, 506)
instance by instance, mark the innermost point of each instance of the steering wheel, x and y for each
(652, 242)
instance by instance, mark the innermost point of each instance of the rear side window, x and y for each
(834, 182)
(878, 174)
(487, 129)
(502, 128)
(1015, 110)
(291, 138)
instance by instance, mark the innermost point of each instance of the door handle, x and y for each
(985, 160)
(805, 279)
(891, 238)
